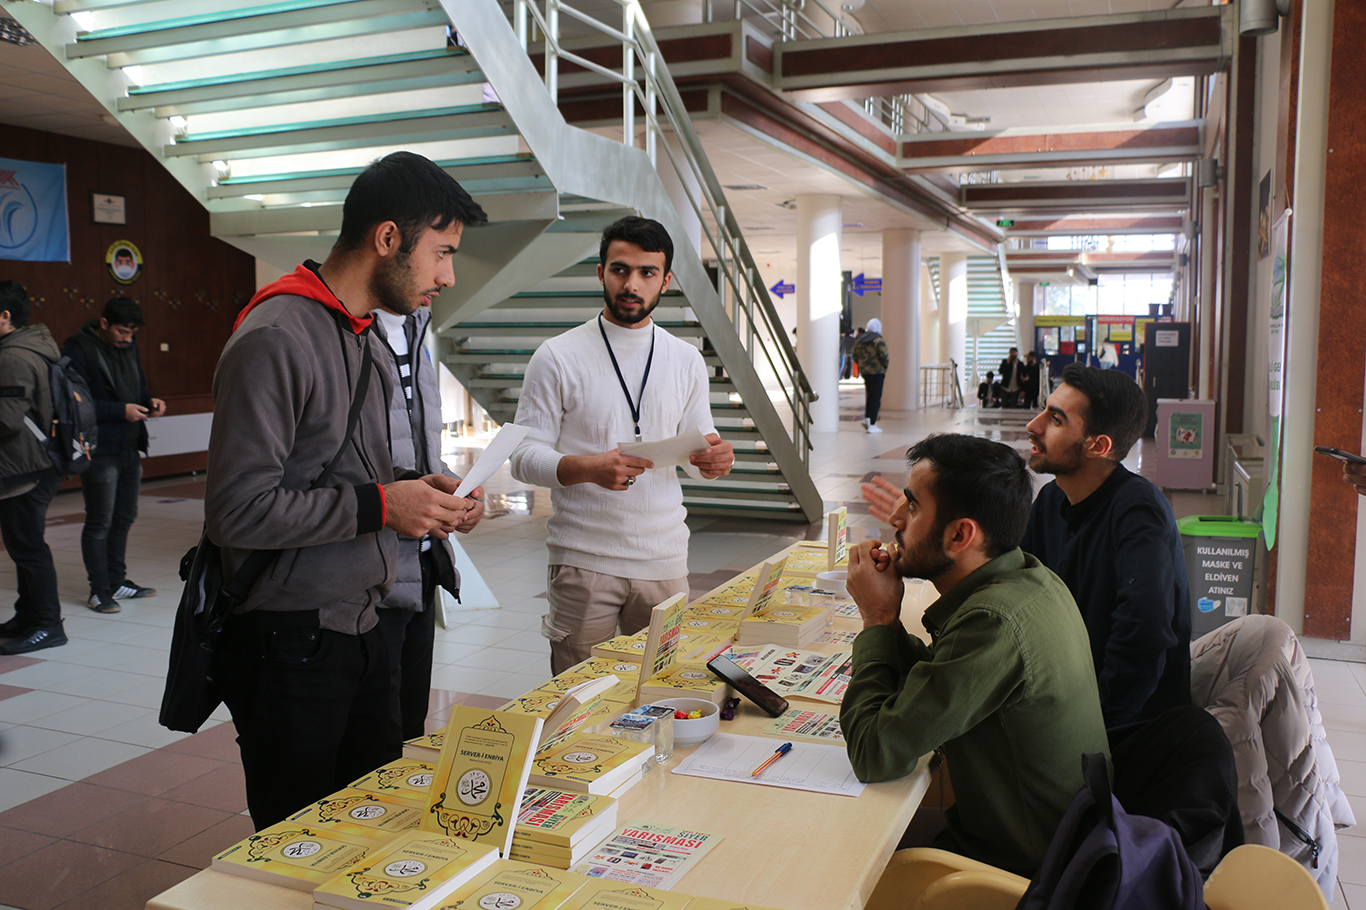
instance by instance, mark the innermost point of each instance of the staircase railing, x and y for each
(644, 79)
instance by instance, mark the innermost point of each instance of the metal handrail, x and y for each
(756, 320)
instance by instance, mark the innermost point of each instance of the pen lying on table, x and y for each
(782, 750)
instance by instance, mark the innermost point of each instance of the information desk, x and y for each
(787, 849)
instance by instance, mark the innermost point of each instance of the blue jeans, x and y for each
(22, 522)
(110, 486)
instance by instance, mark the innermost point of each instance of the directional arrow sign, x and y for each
(862, 284)
(783, 290)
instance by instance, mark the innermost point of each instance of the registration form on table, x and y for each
(809, 766)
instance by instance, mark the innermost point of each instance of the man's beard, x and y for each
(621, 315)
(394, 288)
(1069, 462)
(927, 559)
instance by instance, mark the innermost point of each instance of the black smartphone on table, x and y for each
(729, 671)
(1340, 455)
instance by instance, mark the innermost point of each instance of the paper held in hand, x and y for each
(670, 452)
(497, 452)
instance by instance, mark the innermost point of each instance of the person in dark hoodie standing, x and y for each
(301, 665)
(28, 481)
(106, 355)
(870, 353)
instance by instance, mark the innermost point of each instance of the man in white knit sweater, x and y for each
(617, 539)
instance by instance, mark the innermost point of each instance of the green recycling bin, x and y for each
(1221, 556)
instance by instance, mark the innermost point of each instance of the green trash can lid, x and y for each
(1217, 526)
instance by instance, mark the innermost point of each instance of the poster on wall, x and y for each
(124, 260)
(33, 220)
(1275, 387)
(1186, 435)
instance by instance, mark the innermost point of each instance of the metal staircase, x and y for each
(988, 305)
(266, 111)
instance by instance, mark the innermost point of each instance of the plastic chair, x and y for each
(910, 875)
(1253, 877)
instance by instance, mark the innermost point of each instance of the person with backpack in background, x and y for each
(870, 353)
(28, 480)
(104, 353)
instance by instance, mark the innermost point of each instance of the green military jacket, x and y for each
(1007, 689)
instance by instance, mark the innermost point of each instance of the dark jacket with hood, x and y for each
(281, 394)
(99, 362)
(25, 356)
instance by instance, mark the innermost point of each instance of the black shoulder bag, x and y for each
(208, 599)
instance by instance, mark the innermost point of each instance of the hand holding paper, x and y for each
(498, 451)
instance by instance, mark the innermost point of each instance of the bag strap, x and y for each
(1096, 772)
(252, 567)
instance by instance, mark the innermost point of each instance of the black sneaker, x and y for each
(13, 628)
(103, 603)
(36, 640)
(130, 589)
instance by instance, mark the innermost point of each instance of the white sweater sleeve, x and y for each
(540, 410)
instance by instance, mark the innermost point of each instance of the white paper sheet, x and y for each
(492, 458)
(809, 766)
(669, 452)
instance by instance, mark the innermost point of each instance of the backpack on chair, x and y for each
(1103, 858)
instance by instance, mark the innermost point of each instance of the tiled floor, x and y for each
(100, 807)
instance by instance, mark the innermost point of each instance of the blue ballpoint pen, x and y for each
(782, 750)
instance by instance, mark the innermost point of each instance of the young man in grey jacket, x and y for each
(300, 664)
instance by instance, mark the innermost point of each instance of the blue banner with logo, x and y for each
(33, 224)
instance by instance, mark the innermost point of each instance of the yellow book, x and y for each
(717, 903)
(538, 701)
(294, 856)
(481, 774)
(425, 748)
(414, 871)
(606, 894)
(695, 624)
(546, 855)
(563, 818)
(592, 668)
(627, 646)
(718, 611)
(367, 814)
(404, 778)
(590, 763)
(690, 679)
(508, 884)
(662, 641)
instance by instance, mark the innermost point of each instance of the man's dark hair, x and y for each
(14, 298)
(412, 192)
(123, 253)
(122, 311)
(1115, 406)
(645, 233)
(978, 479)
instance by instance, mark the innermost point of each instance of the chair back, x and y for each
(1253, 877)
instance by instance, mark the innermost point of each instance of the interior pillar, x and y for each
(819, 301)
(901, 317)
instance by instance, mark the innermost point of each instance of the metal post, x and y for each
(651, 111)
(552, 55)
(628, 74)
(519, 22)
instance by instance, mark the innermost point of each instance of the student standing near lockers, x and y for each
(407, 617)
(28, 481)
(105, 354)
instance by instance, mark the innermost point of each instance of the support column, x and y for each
(901, 317)
(1325, 323)
(819, 234)
(1208, 251)
(953, 310)
(1024, 300)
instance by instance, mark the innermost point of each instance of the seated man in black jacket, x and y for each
(1111, 536)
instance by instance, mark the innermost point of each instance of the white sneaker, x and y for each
(874, 428)
(864, 421)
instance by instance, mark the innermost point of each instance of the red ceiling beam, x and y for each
(939, 152)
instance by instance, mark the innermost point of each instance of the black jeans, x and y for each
(872, 389)
(409, 636)
(110, 486)
(314, 709)
(23, 520)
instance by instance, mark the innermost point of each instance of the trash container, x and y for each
(1221, 556)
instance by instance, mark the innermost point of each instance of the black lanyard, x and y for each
(633, 405)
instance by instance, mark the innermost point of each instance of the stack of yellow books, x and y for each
(361, 813)
(784, 624)
(511, 884)
(295, 856)
(592, 763)
(405, 778)
(685, 679)
(415, 871)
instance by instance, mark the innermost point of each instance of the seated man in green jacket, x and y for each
(1007, 688)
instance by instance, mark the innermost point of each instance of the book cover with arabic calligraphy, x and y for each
(515, 886)
(414, 871)
(294, 856)
(481, 774)
(367, 814)
(403, 777)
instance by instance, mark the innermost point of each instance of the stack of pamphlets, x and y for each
(558, 827)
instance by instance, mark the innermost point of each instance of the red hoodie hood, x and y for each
(304, 282)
